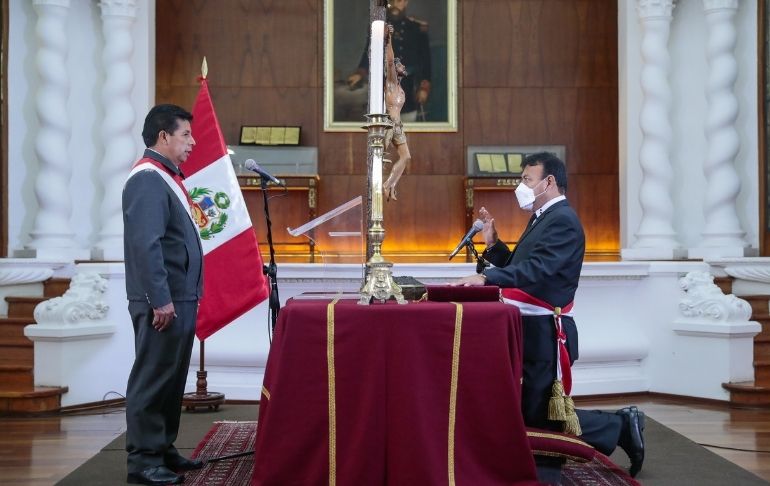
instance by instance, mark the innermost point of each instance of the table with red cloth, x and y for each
(421, 394)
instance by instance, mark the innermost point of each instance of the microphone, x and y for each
(478, 225)
(254, 167)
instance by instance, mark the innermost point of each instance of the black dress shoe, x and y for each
(179, 463)
(631, 438)
(155, 475)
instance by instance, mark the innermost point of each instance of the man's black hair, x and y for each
(163, 118)
(552, 165)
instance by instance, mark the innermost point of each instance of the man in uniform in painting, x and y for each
(411, 46)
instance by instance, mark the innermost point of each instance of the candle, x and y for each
(376, 61)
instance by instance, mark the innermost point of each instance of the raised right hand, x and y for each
(489, 232)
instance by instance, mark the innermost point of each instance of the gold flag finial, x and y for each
(204, 68)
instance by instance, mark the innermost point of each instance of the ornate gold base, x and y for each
(380, 284)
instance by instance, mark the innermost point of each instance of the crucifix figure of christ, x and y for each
(379, 284)
(394, 101)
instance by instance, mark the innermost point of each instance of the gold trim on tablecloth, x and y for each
(453, 391)
(265, 392)
(332, 402)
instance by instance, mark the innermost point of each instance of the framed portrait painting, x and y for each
(424, 40)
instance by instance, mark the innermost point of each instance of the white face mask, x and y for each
(526, 195)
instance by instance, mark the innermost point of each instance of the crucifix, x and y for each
(379, 284)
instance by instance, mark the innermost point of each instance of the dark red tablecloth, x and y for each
(391, 395)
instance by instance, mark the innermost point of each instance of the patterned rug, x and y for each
(227, 438)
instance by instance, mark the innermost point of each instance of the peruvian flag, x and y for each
(233, 282)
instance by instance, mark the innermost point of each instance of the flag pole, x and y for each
(202, 397)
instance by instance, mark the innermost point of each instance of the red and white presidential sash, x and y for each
(532, 306)
(172, 180)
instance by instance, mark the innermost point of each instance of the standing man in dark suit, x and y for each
(544, 269)
(164, 276)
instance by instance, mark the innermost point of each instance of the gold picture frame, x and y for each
(346, 49)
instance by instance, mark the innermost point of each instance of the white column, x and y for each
(655, 238)
(52, 235)
(722, 234)
(118, 18)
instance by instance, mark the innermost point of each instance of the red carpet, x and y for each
(223, 439)
(227, 438)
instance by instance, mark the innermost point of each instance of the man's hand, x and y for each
(354, 80)
(489, 232)
(422, 96)
(470, 281)
(163, 317)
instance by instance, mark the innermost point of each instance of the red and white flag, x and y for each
(233, 282)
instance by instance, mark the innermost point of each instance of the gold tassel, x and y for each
(556, 403)
(571, 422)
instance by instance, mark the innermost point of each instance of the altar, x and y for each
(426, 393)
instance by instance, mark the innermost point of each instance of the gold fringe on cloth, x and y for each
(453, 391)
(332, 392)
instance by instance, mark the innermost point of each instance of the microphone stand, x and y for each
(271, 270)
(481, 264)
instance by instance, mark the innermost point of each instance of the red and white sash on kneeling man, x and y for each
(561, 407)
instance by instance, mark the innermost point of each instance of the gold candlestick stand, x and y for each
(379, 283)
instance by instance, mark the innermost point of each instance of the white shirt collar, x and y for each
(549, 204)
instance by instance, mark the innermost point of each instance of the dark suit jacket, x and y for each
(162, 248)
(546, 264)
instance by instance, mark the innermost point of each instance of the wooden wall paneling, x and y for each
(342, 153)
(429, 215)
(595, 146)
(598, 43)
(432, 153)
(500, 44)
(594, 197)
(531, 72)
(539, 43)
(505, 116)
(257, 43)
(267, 106)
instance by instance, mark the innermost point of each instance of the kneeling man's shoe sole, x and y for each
(155, 475)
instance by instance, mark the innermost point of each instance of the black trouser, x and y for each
(600, 429)
(156, 384)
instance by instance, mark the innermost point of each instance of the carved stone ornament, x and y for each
(84, 300)
(706, 300)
